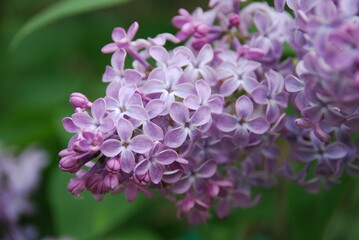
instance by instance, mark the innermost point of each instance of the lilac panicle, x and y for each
(207, 121)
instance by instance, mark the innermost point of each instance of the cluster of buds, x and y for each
(207, 122)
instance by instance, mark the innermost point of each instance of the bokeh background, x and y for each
(37, 75)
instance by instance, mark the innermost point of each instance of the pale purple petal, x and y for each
(132, 30)
(182, 186)
(229, 86)
(153, 86)
(156, 173)
(273, 112)
(258, 125)
(336, 150)
(141, 144)
(111, 148)
(136, 112)
(207, 169)
(82, 120)
(260, 94)
(244, 107)
(241, 137)
(132, 76)
(109, 48)
(171, 176)
(142, 167)
(173, 74)
(125, 93)
(179, 113)
(118, 59)
(98, 109)
(226, 122)
(160, 54)
(192, 102)
(166, 157)
(69, 125)
(118, 34)
(183, 90)
(124, 129)
(293, 84)
(201, 116)
(175, 137)
(153, 131)
(279, 5)
(205, 55)
(216, 103)
(203, 90)
(155, 107)
(127, 161)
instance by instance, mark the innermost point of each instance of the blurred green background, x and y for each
(38, 75)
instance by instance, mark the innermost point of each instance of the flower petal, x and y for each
(142, 167)
(156, 173)
(111, 147)
(153, 86)
(155, 107)
(166, 157)
(244, 107)
(336, 150)
(241, 137)
(226, 122)
(207, 169)
(124, 129)
(136, 112)
(175, 137)
(153, 131)
(127, 161)
(179, 113)
(141, 144)
(203, 90)
(82, 120)
(98, 109)
(182, 185)
(258, 125)
(201, 116)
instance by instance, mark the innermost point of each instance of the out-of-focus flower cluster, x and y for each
(204, 123)
(20, 175)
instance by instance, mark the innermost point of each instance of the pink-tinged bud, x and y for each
(303, 123)
(111, 181)
(69, 164)
(78, 100)
(76, 186)
(234, 20)
(113, 165)
(141, 179)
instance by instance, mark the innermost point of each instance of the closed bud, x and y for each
(78, 100)
(113, 165)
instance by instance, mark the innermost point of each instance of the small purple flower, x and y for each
(237, 75)
(158, 158)
(187, 126)
(271, 93)
(100, 121)
(117, 76)
(244, 123)
(128, 104)
(154, 108)
(126, 145)
(121, 38)
(200, 66)
(170, 87)
(204, 98)
(194, 176)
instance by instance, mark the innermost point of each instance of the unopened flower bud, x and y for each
(76, 186)
(111, 181)
(113, 165)
(78, 100)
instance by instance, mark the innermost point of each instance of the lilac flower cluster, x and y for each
(207, 122)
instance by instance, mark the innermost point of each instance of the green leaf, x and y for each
(60, 10)
(83, 217)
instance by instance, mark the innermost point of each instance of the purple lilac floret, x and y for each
(207, 122)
